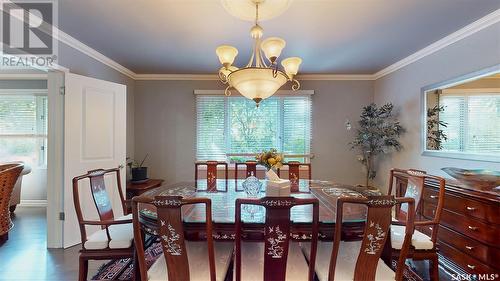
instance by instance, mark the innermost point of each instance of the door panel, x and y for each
(95, 137)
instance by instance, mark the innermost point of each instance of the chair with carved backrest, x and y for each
(276, 259)
(294, 173)
(211, 174)
(181, 260)
(250, 170)
(115, 238)
(9, 173)
(360, 260)
(422, 246)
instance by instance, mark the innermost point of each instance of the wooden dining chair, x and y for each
(181, 260)
(115, 238)
(294, 173)
(276, 259)
(211, 174)
(9, 173)
(250, 170)
(422, 246)
(360, 260)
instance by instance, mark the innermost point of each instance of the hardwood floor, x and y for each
(25, 255)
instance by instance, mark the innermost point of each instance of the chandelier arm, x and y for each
(227, 92)
(295, 85)
(222, 77)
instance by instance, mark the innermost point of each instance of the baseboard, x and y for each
(33, 203)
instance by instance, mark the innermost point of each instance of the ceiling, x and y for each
(331, 36)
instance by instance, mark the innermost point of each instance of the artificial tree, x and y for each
(435, 134)
(378, 132)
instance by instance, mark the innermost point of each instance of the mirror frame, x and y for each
(449, 83)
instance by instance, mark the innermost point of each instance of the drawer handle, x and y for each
(473, 228)
(470, 208)
(471, 266)
(469, 247)
(434, 196)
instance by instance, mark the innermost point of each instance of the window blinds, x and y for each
(473, 122)
(234, 126)
(23, 115)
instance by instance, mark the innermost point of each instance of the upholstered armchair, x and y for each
(15, 198)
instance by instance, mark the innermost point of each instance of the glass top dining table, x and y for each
(223, 201)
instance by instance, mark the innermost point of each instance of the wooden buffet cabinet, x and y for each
(469, 231)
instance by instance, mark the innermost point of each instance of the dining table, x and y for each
(253, 216)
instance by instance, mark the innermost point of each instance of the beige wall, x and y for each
(165, 126)
(403, 88)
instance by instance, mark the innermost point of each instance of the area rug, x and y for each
(122, 269)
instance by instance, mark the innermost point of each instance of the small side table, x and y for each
(136, 189)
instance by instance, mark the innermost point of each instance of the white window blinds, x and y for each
(230, 128)
(473, 122)
(23, 128)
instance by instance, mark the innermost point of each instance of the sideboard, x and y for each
(469, 231)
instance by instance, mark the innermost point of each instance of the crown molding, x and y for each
(332, 77)
(89, 51)
(456, 36)
(178, 77)
(302, 77)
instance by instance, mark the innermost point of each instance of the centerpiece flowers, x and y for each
(270, 159)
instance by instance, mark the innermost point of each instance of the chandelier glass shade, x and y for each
(260, 78)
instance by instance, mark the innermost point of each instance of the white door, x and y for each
(94, 138)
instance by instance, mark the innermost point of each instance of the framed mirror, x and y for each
(462, 117)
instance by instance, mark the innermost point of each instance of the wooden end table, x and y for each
(136, 189)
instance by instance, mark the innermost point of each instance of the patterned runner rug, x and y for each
(122, 269)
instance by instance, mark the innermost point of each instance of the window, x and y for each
(234, 129)
(23, 129)
(473, 122)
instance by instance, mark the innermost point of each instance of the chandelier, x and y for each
(259, 79)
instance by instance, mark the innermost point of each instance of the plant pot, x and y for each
(139, 174)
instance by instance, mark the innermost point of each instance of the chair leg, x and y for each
(434, 268)
(83, 269)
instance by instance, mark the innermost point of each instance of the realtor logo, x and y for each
(27, 33)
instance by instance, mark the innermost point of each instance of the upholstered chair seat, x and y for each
(122, 236)
(419, 240)
(198, 262)
(346, 261)
(252, 268)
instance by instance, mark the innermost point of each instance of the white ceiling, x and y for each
(332, 36)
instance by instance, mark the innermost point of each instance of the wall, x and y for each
(165, 126)
(403, 88)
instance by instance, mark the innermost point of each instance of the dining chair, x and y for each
(294, 173)
(211, 174)
(422, 246)
(181, 260)
(276, 259)
(360, 260)
(115, 238)
(9, 173)
(250, 170)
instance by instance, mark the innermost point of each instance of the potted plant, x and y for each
(138, 171)
(435, 135)
(377, 133)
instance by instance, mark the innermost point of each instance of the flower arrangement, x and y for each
(270, 159)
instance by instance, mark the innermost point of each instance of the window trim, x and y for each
(423, 120)
(280, 93)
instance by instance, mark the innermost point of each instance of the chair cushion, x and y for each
(419, 240)
(199, 269)
(346, 261)
(121, 235)
(252, 262)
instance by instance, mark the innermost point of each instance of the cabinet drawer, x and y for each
(464, 206)
(468, 263)
(468, 226)
(468, 246)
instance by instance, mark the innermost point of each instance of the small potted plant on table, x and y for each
(138, 171)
